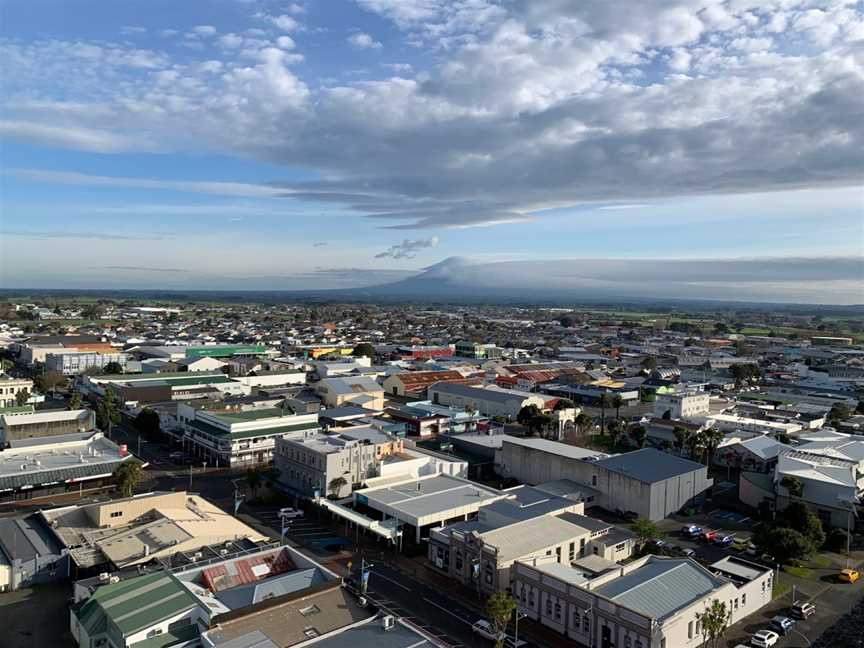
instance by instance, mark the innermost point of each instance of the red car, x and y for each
(707, 535)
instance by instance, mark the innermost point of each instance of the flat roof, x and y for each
(649, 465)
(529, 536)
(422, 497)
(553, 447)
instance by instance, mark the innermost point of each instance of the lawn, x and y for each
(800, 572)
(779, 589)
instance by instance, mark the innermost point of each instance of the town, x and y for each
(257, 475)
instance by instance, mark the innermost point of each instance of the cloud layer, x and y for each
(533, 104)
(408, 249)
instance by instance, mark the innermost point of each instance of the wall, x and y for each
(132, 508)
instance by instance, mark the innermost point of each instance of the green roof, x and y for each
(170, 638)
(244, 416)
(221, 351)
(17, 409)
(135, 604)
(246, 434)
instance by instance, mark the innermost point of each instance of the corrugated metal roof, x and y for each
(661, 586)
(649, 465)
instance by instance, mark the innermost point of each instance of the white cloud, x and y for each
(363, 41)
(285, 22)
(204, 30)
(408, 249)
(398, 67)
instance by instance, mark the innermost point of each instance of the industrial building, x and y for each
(490, 401)
(44, 423)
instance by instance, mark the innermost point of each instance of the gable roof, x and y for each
(649, 465)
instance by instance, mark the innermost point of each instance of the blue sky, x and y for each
(336, 143)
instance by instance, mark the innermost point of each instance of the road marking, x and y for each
(450, 612)
(390, 580)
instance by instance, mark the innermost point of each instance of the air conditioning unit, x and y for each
(388, 622)
(103, 577)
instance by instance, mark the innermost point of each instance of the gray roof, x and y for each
(477, 392)
(524, 538)
(592, 524)
(553, 447)
(649, 465)
(371, 635)
(661, 586)
(419, 498)
(25, 538)
(251, 593)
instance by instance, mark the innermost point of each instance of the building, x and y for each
(158, 387)
(682, 404)
(490, 402)
(755, 454)
(355, 366)
(351, 390)
(29, 553)
(424, 418)
(11, 387)
(416, 352)
(32, 350)
(51, 465)
(71, 362)
(333, 464)
(647, 482)
(238, 437)
(45, 423)
(652, 602)
(274, 590)
(124, 533)
(734, 423)
(420, 504)
(414, 384)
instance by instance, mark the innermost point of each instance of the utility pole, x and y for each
(190, 476)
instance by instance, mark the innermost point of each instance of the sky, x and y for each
(337, 143)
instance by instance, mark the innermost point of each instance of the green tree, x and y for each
(499, 608)
(567, 321)
(839, 412)
(681, 436)
(715, 619)
(605, 402)
(5, 365)
(645, 530)
(107, 412)
(785, 544)
(22, 397)
(364, 349)
(128, 476)
(798, 517)
(583, 422)
(49, 381)
(113, 368)
(253, 480)
(640, 436)
(336, 485)
(859, 409)
(147, 423)
(713, 438)
(617, 402)
(526, 414)
(649, 363)
(836, 540)
(564, 403)
(75, 401)
(793, 485)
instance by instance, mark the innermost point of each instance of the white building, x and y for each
(682, 404)
(11, 387)
(71, 362)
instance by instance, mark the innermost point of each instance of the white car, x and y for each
(764, 639)
(485, 629)
(290, 513)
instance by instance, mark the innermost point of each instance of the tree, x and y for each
(499, 608)
(649, 363)
(364, 349)
(583, 422)
(113, 368)
(22, 397)
(721, 328)
(640, 436)
(793, 485)
(5, 365)
(564, 403)
(253, 480)
(604, 403)
(49, 381)
(859, 409)
(336, 485)
(836, 540)
(695, 444)
(616, 430)
(540, 423)
(713, 438)
(715, 619)
(617, 402)
(681, 436)
(526, 414)
(128, 475)
(645, 530)
(839, 412)
(784, 543)
(798, 517)
(75, 401)
(567, 321)
(147, 423)
(107, 413)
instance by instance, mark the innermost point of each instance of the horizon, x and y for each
(263, 145)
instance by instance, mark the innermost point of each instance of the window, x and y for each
(627, 642)
(154, 632)
(548, 606)
(638, 643)
(690, 630)
(698, 627)
(116, 514)
(489, 575)
(736, 602)
(743, 600)
(620, 546)
(458, 560)
(586, 624)
(593, 480)
(558, 553)
(311, 633)
(572, 550)
(531, 597)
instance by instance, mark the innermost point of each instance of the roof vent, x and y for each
(388, 622)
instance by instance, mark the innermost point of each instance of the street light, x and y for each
(851, 501)
(518, 615)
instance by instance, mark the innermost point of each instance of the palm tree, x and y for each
(253, 480)
(713, 438)
(617, 402)
(583, 422)
(604, 403)
(681, 436)
(640, 435)
(336, 485)
(128, 474)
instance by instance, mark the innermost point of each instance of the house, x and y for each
(754, 454)
(415, 383)
(652, 602)
(351, 390)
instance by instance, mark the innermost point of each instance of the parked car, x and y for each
(740, 544)
(802, 610)
(752, 550)
(655, 544)
(485, 630)
(691, 530)
(848, 575)
(290, 513)
(764, 639)
(724, 540)
(781, 624)
(681, 551)
(708, 535)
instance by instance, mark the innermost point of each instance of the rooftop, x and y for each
(649, 465)
(428, 496)
(553, 447)
(524, 538)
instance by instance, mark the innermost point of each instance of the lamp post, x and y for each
(518, 615)
(851, 502)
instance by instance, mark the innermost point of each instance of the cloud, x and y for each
(101, 236)
(408, 249)
(398, 67)
(526, 106)
(141, 269)
(363, 41)
(319, 244)
(204, 30)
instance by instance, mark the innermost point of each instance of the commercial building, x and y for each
(333, 464)
(489, 401)
(424, 418)
(652, 602)
(682, 404)
(45, 423)
(33, 350)
(647, 482)
(414, 384)
(11, 387)
(477, 351)
(51, 465)
(146, 528)
(71, 362)
(416, 352)
(734, 423)
(154, 388)
(423, 503)
(238, 437)
(351, 390)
